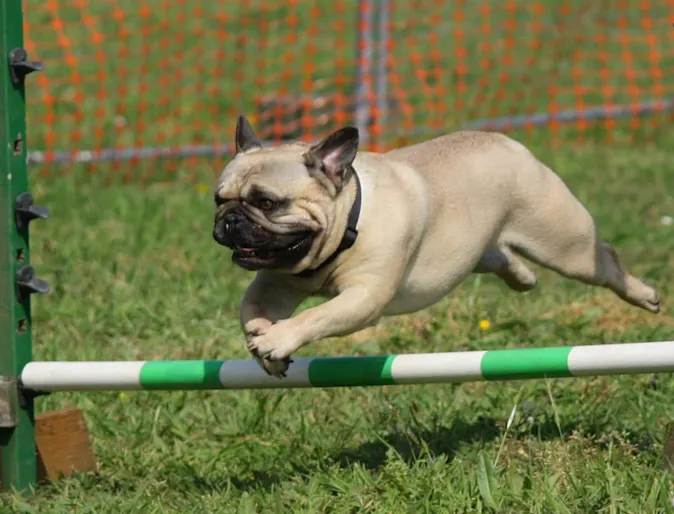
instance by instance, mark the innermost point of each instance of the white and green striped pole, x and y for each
(509, 364)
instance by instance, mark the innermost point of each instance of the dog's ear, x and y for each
(334, 155)
(245, 137)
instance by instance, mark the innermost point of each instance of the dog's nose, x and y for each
(222, 232)
(229, 226)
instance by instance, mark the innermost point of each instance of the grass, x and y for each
(137, 276)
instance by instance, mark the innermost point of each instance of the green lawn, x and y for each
(136, 275)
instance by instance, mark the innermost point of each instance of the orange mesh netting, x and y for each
(129, 80)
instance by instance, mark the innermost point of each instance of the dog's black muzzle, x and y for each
(254, 246)
(234, 229)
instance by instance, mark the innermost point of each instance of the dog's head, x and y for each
(278, 207)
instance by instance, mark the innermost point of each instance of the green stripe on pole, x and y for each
(351, 371)
(526, 363)
(177, 375)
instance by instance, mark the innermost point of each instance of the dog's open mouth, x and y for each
(273, 256)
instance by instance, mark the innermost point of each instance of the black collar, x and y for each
(349, 236)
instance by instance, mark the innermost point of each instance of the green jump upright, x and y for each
(17, 280)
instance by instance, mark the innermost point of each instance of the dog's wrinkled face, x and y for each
(275, 207)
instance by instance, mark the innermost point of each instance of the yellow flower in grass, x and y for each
(485, 324)
(203, 188)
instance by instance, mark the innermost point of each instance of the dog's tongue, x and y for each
(246, 251)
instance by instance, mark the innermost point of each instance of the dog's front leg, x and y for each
(355, 308)
(264, 304)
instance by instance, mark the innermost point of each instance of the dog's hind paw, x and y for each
(641, 295)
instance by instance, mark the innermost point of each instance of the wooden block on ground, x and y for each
(63, 444)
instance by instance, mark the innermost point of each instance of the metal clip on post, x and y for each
(27, 212)
(20, 66)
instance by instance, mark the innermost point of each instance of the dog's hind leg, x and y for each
(561, 235)
(503, 263)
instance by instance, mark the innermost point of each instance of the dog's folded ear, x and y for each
(334, 155)
(245, 137)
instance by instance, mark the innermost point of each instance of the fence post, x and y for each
(17, 434)
(381, 90)
(364, 74)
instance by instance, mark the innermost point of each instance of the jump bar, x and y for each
(507, 364)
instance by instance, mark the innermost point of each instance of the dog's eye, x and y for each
(219, 200)
(266, 204)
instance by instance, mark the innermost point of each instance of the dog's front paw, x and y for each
(256, 327)
(272, 350)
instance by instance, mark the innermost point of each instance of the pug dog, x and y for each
(382, 234)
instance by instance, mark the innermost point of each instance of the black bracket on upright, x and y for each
(27, 212)
(20, 66)
(27, 283)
